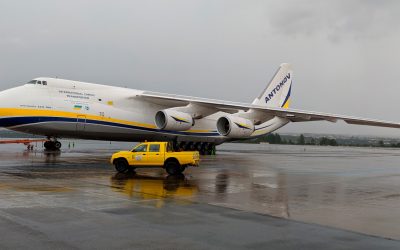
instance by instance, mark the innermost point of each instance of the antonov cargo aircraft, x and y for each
(58, 108)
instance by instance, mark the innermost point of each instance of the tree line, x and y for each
(275, 138)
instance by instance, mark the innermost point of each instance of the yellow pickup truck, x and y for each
(155, 154)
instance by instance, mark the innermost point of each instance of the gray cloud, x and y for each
(341, 19)
(345, 53)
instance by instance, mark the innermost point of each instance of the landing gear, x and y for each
(52, 145)
(57, 145)
(207, 149)
(204, 148)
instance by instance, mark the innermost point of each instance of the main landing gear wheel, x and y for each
(57, 145)
(173, 167)
(52, 145)
(121, 165)
(208, 149)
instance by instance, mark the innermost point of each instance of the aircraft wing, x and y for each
(293, 115)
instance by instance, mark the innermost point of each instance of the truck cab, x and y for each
(155, 154)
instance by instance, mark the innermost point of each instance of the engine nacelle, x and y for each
(235, 127)
(173, 120)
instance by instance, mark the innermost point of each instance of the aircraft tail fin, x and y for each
(277, 93)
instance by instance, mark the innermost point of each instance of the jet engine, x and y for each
(234, 126)
(169, 119)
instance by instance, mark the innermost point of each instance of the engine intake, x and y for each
(173, 120)
(235, 127)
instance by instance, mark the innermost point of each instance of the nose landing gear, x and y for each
(52, 145)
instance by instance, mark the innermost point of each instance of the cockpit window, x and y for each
(38, 82)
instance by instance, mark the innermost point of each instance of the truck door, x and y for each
(139, 155)
(155, 156)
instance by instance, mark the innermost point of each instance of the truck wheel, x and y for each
(121, 165)
(173, 167)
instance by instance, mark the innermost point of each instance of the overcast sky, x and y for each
(345, 53)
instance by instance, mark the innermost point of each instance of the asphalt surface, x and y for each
(246, 197)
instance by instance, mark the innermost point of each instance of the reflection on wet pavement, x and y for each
(349, 188)
(148, 188)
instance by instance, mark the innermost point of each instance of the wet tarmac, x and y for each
(245, 197)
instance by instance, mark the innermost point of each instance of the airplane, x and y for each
(58, 108)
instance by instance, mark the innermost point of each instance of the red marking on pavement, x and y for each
(23, 141)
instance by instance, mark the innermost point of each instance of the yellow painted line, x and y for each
(199, 130)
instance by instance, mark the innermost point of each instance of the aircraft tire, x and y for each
(121, 165)
(57, 145)
(49, 145)
(202, 151)
(208, 149)
(52, 145)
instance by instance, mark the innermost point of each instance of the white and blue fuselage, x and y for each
(59, 108)
(70, 109)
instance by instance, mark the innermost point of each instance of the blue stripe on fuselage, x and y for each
(29, 120)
